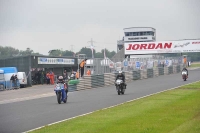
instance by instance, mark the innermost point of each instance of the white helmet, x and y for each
(60, 77)
(120, 72)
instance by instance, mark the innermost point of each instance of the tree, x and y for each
(87, 52)
(6, 52)
(55, 52)
(68, 53)
(28, 51)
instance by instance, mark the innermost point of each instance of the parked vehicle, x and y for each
(8, 72)
(120, 87)
(22, 79)
(184, 75)
(2, 80)
(60, 93)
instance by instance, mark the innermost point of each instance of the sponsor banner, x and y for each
(149, 64)
(111, 65)
(137, 64)
(162, 47)
(43, 60)
(125, 63)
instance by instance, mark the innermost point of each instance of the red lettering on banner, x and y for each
(129, 47)
(149, 46)
(195, 42)
(143, 46)
(159, 46)
(135, 46)
(168, 45)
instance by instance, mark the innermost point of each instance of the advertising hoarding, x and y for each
(43, 60)
(162, 47)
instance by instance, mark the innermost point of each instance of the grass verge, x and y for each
(195, 65)
(172, 111)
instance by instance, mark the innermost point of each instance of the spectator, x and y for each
(88, 72)
(12, 79)
(48, 78)
(77, 74)
(15, 81)
(42, 77)
(65, 76)
(52, 78)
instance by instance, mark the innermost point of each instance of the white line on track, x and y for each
(107, 107)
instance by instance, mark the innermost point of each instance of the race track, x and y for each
(25, 115)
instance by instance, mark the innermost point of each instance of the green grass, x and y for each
(174, 111)
(195, 65)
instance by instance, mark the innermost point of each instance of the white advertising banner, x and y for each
(43, 60)
(162, 47)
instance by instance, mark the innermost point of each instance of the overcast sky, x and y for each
(43, 25)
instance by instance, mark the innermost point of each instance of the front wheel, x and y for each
(59, 97)
(123, 90)
(118, 90)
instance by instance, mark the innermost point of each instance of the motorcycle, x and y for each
(60, 93)
(184, 75)
(120, 87)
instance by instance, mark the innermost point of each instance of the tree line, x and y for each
(6, 52)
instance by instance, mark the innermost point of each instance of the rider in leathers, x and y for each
(122, 77)
(61, 80)
(185, 69)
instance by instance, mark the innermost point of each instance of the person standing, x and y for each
(77, 74)
(12, 79)
(48, 78)
(51, 78)
(65, 75)
(42, 77)
(15, 81)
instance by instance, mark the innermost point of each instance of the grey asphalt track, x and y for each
(16, 117)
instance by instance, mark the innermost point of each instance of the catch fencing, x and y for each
(100, 66)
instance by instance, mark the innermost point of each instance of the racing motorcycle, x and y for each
(60, 93)
(184, 75)
(120, 87)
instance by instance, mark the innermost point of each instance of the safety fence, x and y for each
(9, 85)
(107, 79)
(100, 66)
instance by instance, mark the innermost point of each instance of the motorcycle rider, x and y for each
(121, 76)
(185, 69)
(62, 81)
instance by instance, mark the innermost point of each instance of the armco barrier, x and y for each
(128, 76)
(170, 70)
(136, 74)
(178, 69)
(161, 70)
(106, 79)
(109, 79)
(150, 73)
(97, 80)
(143, 74)
(174, 69)
(85, 83)
(155, 72)
(72, 88)
(166, 71)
